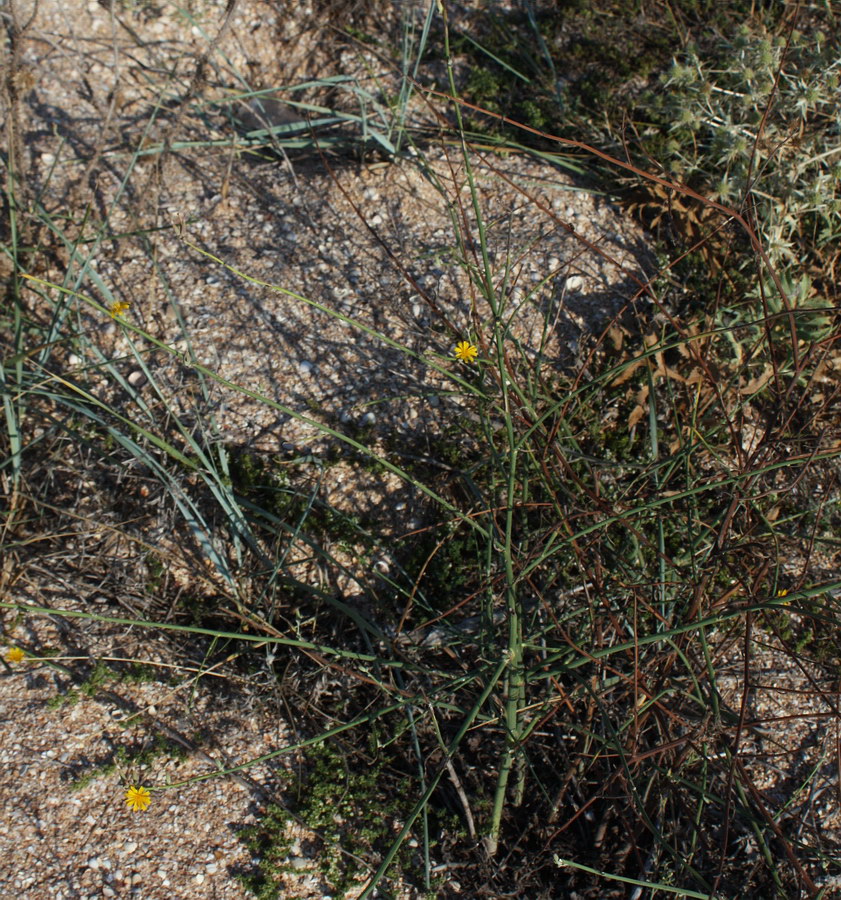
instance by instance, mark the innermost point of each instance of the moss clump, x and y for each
(355, 811)
(127, 758)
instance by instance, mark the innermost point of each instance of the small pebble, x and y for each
(305, 367)
(199, 879)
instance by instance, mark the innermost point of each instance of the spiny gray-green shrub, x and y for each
(754, 121)
(788, 166)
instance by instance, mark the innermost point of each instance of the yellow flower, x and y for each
(138, 798)
(15, 655)
(466, 351)
(784, 593)
(117, 308)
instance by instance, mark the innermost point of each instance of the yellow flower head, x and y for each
(118, 308)
(466, 351)
(15, 655)
(138, 798)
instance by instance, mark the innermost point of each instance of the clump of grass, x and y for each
(548, 663)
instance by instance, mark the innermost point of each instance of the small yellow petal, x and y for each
(466, 351)
(15, 655)
(138, 798)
